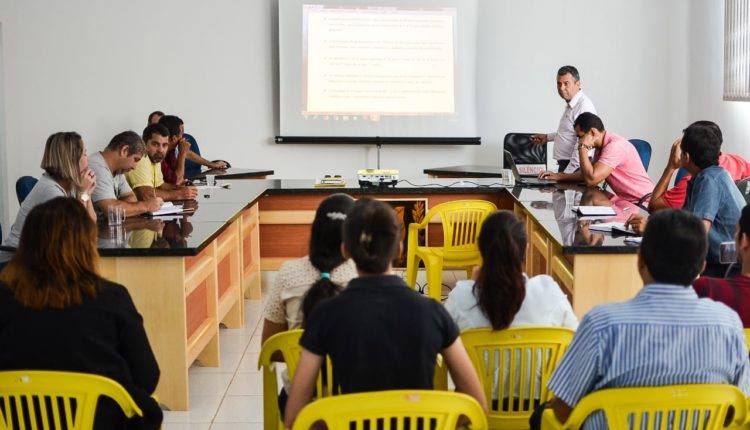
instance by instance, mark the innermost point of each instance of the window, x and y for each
(737, 50)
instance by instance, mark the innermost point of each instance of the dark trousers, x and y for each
(535, 421)
(562, 165)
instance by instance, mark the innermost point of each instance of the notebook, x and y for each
(611, 227)
(594, 210)
(168, 208)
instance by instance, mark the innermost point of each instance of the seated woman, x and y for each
(57, 313)
(303, 282)
(502, 295)
(379, 333)
(66, 174)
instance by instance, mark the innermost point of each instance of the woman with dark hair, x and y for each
(379, 333)
(57, 313)
(502, 296)
(301, 283)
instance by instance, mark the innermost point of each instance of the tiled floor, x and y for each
(231, 396)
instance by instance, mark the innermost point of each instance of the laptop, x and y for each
(533, 182)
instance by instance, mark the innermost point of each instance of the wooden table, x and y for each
(191, 274)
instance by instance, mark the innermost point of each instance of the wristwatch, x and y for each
(580, 145)
(85, 197)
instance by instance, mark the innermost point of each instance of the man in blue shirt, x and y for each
(665, 335)
(712, 195)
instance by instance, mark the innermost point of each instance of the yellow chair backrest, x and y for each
(462, 221)
(747, 338)
(393, 410)
(44, 399)
(514, 366)
(287, 344)
(704, 407)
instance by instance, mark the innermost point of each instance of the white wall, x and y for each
(706, 78)
(100, 67)
(632, 56)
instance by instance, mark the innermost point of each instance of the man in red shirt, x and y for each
(663, 198)
(733, 292)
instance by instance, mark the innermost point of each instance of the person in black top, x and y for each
(379, 334)
(57, 313)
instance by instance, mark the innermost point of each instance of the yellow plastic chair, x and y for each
(287, 344)
(747, 338)
(462, 221)
(391, 410)
(55, 398)
(689, 406)
(514, 366)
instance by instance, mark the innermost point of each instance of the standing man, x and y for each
(565, 139)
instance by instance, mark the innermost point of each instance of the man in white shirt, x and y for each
(565, 139)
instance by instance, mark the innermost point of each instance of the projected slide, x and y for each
(369, 62)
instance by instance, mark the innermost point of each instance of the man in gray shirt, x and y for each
(112, 189)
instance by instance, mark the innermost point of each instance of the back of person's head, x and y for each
(564, 70)
(674, 247)
(500, 285)
(325, 248)
(172, 123)
(702, 141)
(152, 129)
(154, 117)
(371, 236)
(744, 225)
(62, 156)
(55, 265)
(587, 120)
(130, 139)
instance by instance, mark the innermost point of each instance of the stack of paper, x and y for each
(168, 208)
(611, 227)
(594, 210)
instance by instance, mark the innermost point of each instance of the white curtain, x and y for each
(737, 50)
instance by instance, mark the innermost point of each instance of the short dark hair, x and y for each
(564, 70)
(172, 123)
(151, 115)
(744, 221)
(702, 141)
(152, 129)
(587, 120)
(674, 247)
(371, 235)
(127, 138)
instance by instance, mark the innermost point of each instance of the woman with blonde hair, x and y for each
(57, 313)
(66, 174)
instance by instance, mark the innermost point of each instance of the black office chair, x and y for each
(744, 186)
(523, 150)
(24, 185)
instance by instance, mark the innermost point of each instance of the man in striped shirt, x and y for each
(665, 335)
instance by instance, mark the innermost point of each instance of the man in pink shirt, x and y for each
(674, 197)
(616, 162)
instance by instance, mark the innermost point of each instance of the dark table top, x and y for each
(234, 173)
(466, 171)
(186, 235)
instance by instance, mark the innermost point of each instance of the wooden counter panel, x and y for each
(196, 305)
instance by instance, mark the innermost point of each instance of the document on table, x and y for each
(209, 187)
(168, 208)
(611, 227)
(594, 210)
